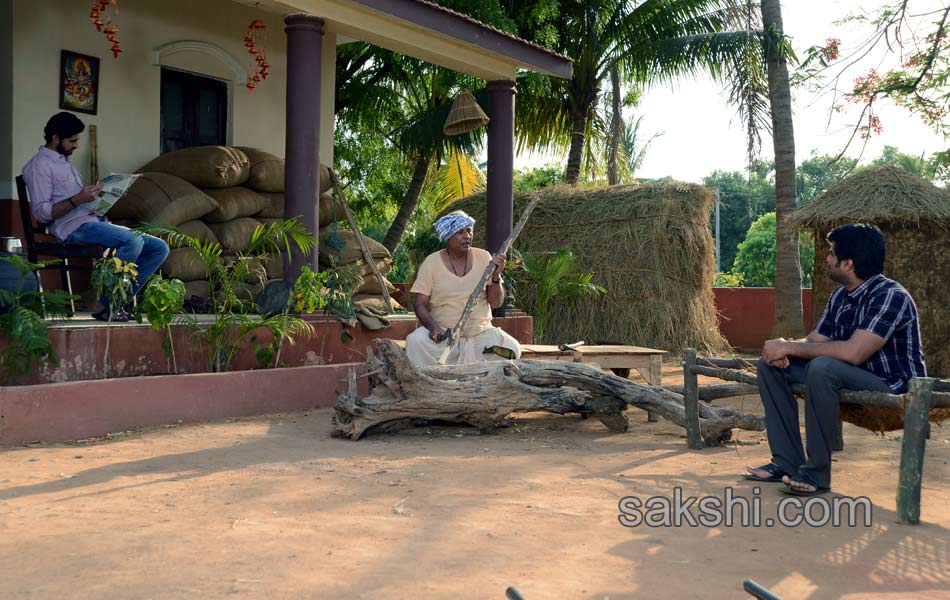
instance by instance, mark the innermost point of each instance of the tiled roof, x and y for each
(465, 17)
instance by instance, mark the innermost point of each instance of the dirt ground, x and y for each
(273, 507)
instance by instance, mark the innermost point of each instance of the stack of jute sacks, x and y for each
(222, 194)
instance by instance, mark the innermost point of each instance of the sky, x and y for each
(701, 132)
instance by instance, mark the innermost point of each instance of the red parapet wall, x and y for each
(746, 315)
(136, 350)
(71, 400)
(56, 412)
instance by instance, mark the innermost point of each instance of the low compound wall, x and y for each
(746, 315)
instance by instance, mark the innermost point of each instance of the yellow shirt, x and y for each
(448, 292)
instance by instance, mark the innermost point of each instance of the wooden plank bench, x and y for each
(923, 394)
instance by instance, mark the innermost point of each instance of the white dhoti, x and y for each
(423, 352)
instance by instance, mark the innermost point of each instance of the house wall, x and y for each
(6, 100)
(128, 119)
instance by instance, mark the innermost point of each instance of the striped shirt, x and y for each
(51, 179)
(883, 307)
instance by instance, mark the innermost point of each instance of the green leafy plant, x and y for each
(755, 259)
(162, 299)
(22, 325)
(553, 282)
(727, 279)
(235, 316)
(113, 280)
(331, 289)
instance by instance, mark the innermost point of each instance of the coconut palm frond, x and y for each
(276, 237)
(457, 178)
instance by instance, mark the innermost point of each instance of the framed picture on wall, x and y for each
(78, 82)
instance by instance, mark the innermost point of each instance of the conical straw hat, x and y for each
(465, 115)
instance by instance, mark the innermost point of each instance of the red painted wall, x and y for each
(81, 409)
(136, 350)
(746, 315)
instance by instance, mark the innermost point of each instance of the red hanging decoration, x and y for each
(110, 28)
(255, 40)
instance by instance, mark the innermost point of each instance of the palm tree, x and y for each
(645, 42)
(788, 275)
(410, 100)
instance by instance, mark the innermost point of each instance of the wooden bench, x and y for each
(923, 394)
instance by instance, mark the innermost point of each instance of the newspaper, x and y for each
(113, 187)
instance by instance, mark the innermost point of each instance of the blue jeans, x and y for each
(146, 251)
(824, 377)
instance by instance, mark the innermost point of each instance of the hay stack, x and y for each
(914, 216)
(648, 244)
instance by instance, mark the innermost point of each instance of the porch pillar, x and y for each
(501, 162)
(302, 155)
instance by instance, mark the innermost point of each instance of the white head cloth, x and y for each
(452, 223)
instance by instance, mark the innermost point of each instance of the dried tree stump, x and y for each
(482, 394)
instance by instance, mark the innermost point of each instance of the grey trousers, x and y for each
(823, 377)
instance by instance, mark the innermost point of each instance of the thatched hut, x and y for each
(649, 245)
(914, 216)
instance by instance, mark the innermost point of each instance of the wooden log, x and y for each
(691, 400)
(725, 363)
(916, 417)
(865, 397)
(708, 393)
(482, 394)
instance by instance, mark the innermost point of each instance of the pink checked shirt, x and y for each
(50, 179)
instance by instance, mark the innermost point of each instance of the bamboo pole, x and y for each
(93, 156)
(916, 419)
(708, 393)
(726, 363)
(362, 243)
(691, 400)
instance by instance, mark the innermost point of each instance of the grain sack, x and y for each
(351, 249)
(274, 208)
(198, 230)
(184, 264)
(274, 266)
(235, 235)
(327, 208)
(384, 265)
(198, 287)
(266, 172)
(371, 286)
(204, 166)
(233, 203)
(375, 302)
(162, 198)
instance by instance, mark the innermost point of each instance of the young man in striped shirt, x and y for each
(59, 198)
(867, 339)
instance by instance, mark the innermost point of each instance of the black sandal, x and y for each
(119, 316)
(775, 474)
(800, 478)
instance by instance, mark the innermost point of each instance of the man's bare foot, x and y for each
(766, 473)
(757, 472)
(801, 486)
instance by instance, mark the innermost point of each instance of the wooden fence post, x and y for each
(691, 400)
(916, 417)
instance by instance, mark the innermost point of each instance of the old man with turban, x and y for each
(444, 283)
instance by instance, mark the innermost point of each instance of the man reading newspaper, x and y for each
(59, 199)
